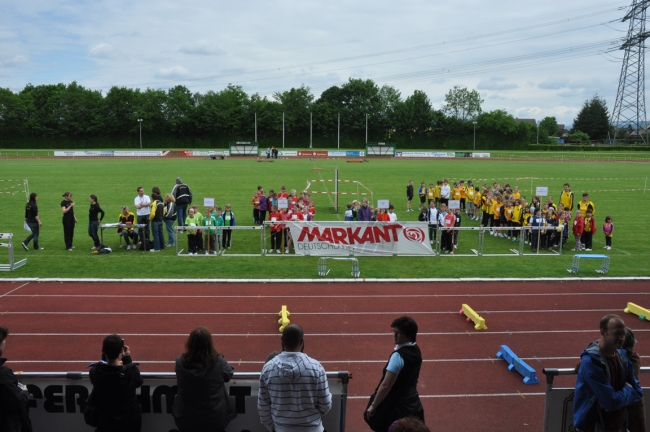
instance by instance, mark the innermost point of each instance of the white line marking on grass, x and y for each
(365, 296)
(294, 313)
(6, 294)
(477, 333)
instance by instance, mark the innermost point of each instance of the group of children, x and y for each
(504, 210)
(263, 204)
(204, 232)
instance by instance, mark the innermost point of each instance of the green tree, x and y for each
(296, 105)
(579, 137)
(548, 127)
(120, 109)
(180, 110)
(497, 122)
(416, 115)
(593, 118)
(462, 104)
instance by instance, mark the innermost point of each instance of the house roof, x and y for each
(531, 121)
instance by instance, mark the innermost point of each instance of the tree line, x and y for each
(60, 115)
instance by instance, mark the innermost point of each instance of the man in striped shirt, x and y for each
(294, 393)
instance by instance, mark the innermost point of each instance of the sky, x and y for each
(532, 59)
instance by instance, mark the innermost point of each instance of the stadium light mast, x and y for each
(255, 127)
(140, 123)
(338, 139)
(283, 129)
(310, 129)
(366, 128)
(537, 131)
(474, 135)
(629, 108)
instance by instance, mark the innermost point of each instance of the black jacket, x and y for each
(13, 402)
(202, 403)
(31, 211)
(114, 393)
(182, 194)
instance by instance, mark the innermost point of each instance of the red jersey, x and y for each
(578, 226)
(273, 217)
(383, 217)
(283, 195)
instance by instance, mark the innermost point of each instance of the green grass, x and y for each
(234, 181)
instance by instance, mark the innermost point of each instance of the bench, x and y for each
(322, 265)
(575, 264)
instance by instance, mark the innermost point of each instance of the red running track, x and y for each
(59, 327)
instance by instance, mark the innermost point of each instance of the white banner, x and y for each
(58, 404)
(480, 155)
(360, 238)
(425, 154)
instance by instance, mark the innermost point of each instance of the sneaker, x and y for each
(214, 252)
(514, 239)
(455, 247)
(431, 241)
(526, 242)
(93, 248)
(70, 250)
(39, 249)
(587, 250)
(606, 247)
(269, 251)
(278, 251)
(228, 247)
(286, 250)
(609, 248)
(451, 253)
(25, 246)
(206, 252)
(154, 250)
(72, 247)
(127, 246)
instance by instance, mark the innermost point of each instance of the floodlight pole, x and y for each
(310, 129)
(339, 133)
(283, 129)
(140, 122)
(474, 135)
(366, 128)
(538, 132)
(255, 127)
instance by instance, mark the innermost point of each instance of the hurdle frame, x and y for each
(13, 265)
(336, 192)
(24, 183)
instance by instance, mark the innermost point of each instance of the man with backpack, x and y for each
(183, 196)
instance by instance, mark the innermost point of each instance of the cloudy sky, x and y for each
(533, 59)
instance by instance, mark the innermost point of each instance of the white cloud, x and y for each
(173, 72)
(554, 83)
(496, 84)
(14, 61)
(202, 47)
(102, 51)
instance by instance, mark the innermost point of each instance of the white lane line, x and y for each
(6, 294)
(294, 313)
(477, 333)
(364, 296)
(443, 396)
(383, 361)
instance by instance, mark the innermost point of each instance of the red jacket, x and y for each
(278, 216)
(578, 226)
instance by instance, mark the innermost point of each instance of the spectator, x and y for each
(392, 216)
(606, 384)
(409, 424)
(608, 230)
(33, 222)
(127, 218)
(169, 218)
(636, 412)
(256, 205)
(422, 192)
(156, 215)
(263, 206)
(275, 228)
(210, 231)
(94, 219)
(445, 192)
(431, 216)
(183, 196)
(202, 403)
(382, 216)
(397, 396)
(114, 383)
(142, 203)
(69, 220)
(14, 414)
(293, 393)
(364, 211)
(588, 232)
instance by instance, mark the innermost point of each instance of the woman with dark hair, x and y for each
(69, 220)
(33, 222)
(202, 403)
(94, 220)
(397, 396)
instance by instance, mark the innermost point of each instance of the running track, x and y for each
(59, 327)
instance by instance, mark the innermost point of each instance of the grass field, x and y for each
(617, 189)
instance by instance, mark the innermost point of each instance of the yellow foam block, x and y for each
(284, 318)
(473, 316)
(635, 309)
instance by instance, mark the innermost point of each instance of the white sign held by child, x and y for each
(208, 202)
(283, 203)
(541, 191)
(454, 204)
(383, 204)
